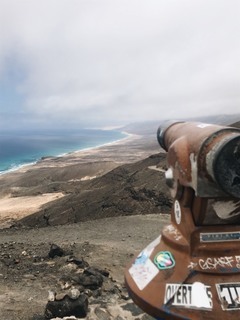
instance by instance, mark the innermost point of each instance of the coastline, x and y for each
(19, 196)
(129, 136)
(83, 155)
(43, 157)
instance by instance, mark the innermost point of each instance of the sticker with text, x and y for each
(220, 236)
(143, 274)
(193, 296)
(229, 295)
(164, 260)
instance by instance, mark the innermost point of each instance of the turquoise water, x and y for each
(22, 148)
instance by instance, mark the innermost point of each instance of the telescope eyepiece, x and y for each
(226, 167)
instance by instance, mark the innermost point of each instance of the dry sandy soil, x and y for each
(26, 271)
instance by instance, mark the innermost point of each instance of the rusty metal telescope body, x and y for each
(192, 270)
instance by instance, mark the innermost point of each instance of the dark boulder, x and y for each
(67, 307)
(55, 250)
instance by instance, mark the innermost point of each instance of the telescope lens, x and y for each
(227, 167)
(162, 129)
(160, 137)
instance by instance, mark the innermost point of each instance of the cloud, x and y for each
(107, 61)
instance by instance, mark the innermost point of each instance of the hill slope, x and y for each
(130, 189)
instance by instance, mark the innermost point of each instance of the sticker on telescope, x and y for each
(220, 236)
(192, 296)
(177, 212)
(145, 254)
(203, 125)
(229, 295)
(143, 274)
(141, 258)
(164, 260)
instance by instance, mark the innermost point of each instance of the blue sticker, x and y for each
(164, 260)
(141, 258)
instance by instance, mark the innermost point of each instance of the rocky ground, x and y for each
(73, 265)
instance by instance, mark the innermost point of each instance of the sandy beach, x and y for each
(15, 199)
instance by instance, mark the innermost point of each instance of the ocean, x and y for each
(22, 148)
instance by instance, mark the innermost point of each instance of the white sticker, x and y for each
(177, 212)
(143, 273)
(195, 296)
(203, 125)
(229, 295)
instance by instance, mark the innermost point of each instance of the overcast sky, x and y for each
(112, 62)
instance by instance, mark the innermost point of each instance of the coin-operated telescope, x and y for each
(192, 270)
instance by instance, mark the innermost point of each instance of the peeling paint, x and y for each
(194, 170)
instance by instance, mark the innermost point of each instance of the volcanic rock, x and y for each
(67, 307)
(55, 250)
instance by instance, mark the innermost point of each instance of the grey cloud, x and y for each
(127, 60)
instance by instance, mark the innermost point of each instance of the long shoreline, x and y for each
(130, 148)
(23, 167)
(128, 137)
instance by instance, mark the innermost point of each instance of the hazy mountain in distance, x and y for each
(150, 127)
